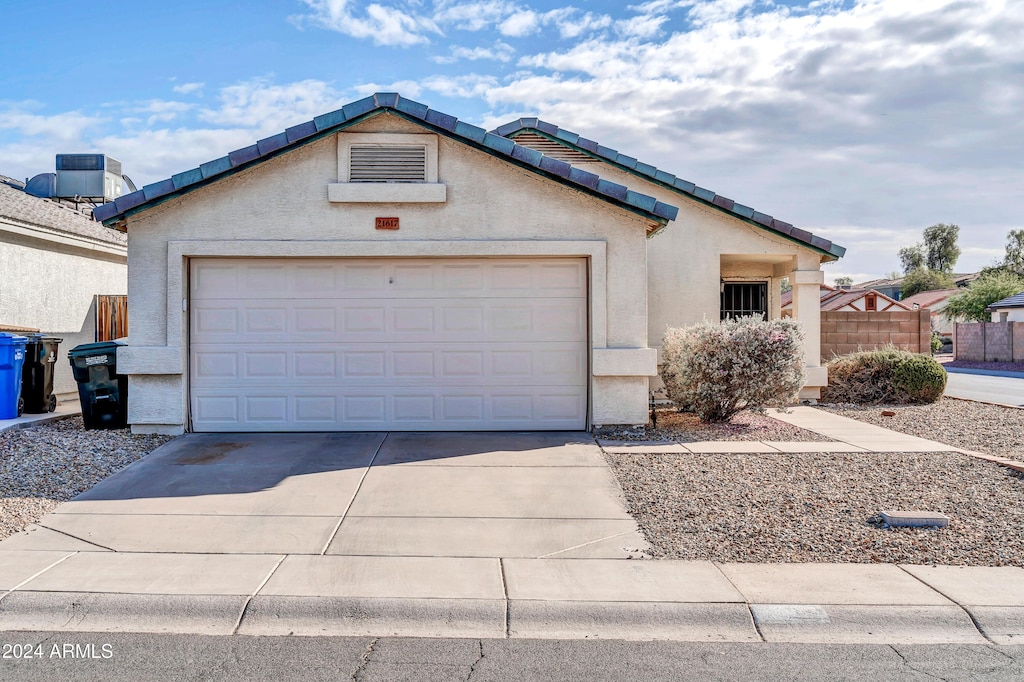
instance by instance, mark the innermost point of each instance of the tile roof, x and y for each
(926, 299)
(1015, 301)
(834, 299)
(844, 297)
(393, 103)
(684, 187)
(15, 204)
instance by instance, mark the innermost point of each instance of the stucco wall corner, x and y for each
(620, 400)
(625, 362)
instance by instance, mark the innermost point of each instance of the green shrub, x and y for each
(936, 343)
(718, 369)
(886, 375)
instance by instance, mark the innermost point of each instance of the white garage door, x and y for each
(388, 344)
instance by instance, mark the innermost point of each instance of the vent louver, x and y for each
(390, 163)
(553, 149)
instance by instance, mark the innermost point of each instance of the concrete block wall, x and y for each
(989, 342)
(845, 332)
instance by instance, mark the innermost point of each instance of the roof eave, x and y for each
(657, 217)
(833, 253)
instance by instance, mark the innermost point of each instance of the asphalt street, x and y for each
(82, 656)
(989, 389)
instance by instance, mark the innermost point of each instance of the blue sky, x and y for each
(862, 120)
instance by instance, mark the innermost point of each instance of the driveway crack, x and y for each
(352, 501)
(75, 537)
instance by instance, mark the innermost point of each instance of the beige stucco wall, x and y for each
(689, 258)
(1012, 315)
(52, 286)
(280, 207)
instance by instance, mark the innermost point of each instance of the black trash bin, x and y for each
(37, 373)
(102, 391)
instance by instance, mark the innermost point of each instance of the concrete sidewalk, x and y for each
(459, 535)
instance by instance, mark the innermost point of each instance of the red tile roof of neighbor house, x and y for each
(787, 296)
(926, 299)
(834, 299)
(17, 205)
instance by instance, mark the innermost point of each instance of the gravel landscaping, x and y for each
(41, 467)
(991, 429)
(819, 507)
(684, 427)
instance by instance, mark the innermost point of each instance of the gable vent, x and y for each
(553, 149)
(388, 163)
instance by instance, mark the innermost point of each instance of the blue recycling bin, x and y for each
(12, 357)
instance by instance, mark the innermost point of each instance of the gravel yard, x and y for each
(816, 507)
(683, 427)
(45, 465)
(966, 424)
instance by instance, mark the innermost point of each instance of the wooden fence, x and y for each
(111, 317)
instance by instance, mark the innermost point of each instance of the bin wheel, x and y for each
(21, 406)
(51, 404)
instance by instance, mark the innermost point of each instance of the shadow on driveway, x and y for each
(224, 464)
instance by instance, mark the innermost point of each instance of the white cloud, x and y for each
(384, 25)
(63, 126)
(188, 88)
(261, 105)
(473, 16)
(887, 116)
(520, 24)
(501, 52)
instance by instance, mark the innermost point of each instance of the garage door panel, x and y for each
(376, 344)
(361, 409)
(424, 321)
(554, 364)
(279, 279)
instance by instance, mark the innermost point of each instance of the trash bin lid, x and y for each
(36, 338)
(12, 339)
(89, 349)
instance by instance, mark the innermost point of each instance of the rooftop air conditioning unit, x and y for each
(96, 177)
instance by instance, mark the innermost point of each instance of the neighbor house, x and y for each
(1010, 309)
(54, 261)
(849, 300)
(936, 302)
(386, 266)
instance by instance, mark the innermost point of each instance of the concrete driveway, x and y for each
(511, 495)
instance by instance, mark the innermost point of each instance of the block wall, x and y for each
(845, 332)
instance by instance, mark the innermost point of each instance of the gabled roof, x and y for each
(787, 296)
(18, 206)
(927, 299)
(834, 299)
(389, 102)
(841, 298)
(1015, 301)
(688, 189)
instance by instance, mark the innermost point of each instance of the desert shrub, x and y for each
(886, 375)
(718, 369)
(936, 342)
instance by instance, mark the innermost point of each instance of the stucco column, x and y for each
(807, 311)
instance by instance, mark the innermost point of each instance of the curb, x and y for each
(516, 619)
(985, 372)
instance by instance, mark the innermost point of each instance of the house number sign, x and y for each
(387, 223)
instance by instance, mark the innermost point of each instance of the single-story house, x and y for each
(893, 288)
(936, 302)
(1010, 309)
(849, 300)
(54, 262)
(389, 267)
